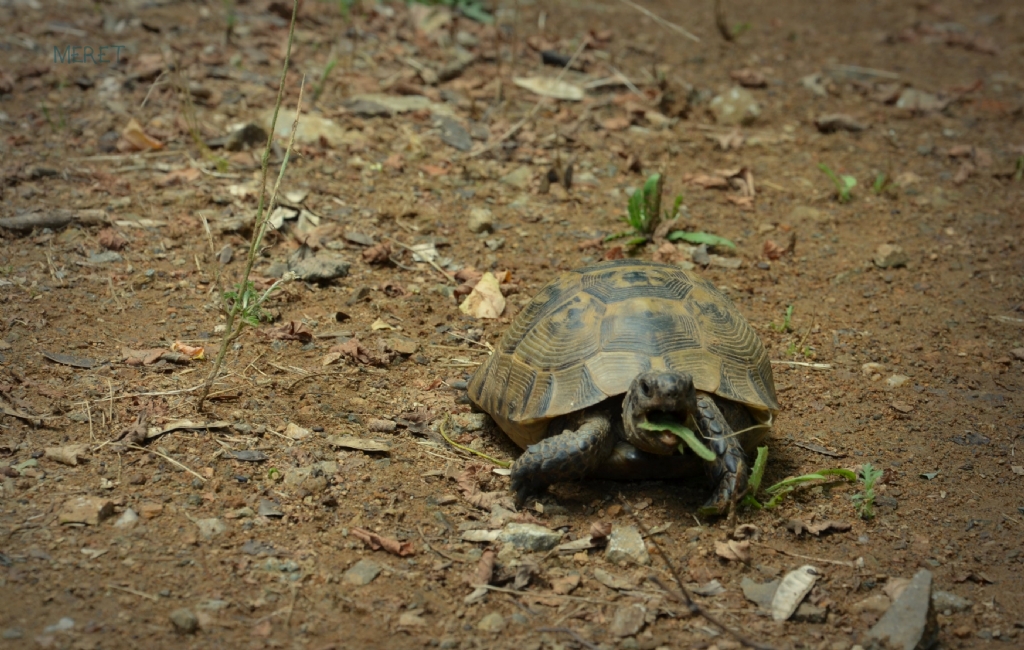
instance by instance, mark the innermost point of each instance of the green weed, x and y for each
(844, 183)
(865, 500)
(248, 302)
(785, 326)
(643, 212)
(1019, 174)
(471, 9)
(318, 89)
(782, 489)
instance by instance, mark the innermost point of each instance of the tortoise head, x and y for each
(657, 393)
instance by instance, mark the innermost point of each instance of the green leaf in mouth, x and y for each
(688, 437)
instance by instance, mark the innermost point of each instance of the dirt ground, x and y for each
(319, 448)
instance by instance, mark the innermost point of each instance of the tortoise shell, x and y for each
(586, 335)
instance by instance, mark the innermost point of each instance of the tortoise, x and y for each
(601, 349)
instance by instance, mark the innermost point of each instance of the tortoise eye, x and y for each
(645, 387)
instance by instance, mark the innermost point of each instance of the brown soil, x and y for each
(949, 321)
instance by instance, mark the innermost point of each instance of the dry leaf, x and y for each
(565, 585)
(375, 542)
(792, 590)
(110, 239)
(733, 550)
(193, 352)
(772, 250)
(377, 254)
(600, 529)
(290, 331)
(485, 301)
(484, 570)
(549, 87)
(133, 138)
(67, 455)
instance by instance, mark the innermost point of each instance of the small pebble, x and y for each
(184, 621)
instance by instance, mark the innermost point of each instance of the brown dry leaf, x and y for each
(707, 182)
(617, 123)
(772, 250)
(966, 169)
(600, 529)
(746, 531)
(829, 526)
(566, 584)
(729, 141)
(377, 254)
(614, 253)
(745, 202)
(667, 253)
(375, 542)
(590, 243)
(133, 138)
(111, 240)
(192, 351)
(733, 550)
(290, 331)
(469, 482)
(485, 300)
(178, 177)
(353, 350)
(749, 78)
(395, 161)
(142, 357)
(66, 455)
(484, 570)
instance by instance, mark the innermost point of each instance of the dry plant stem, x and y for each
(134, 592)
(262, 213)
(721, 23)
(571, 632)
(533, 111)
(683, 595)
(660, 20)
(852, 565)
(171, 461)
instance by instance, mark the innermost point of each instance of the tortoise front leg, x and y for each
(728, 472)
(568, 456)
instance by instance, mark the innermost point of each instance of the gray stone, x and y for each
(481, 220)
(946, 601)
(735, 106)
(472, 421)
(454, 134)
(758, 593)
(626, 544)
(11, 633)
(910, 622)
(127, 519)
(210, 528)
(65, 624)
(321, 268)
(184, 621)
(519, 177)
(106, 257)
(362, 572)
(530, 537)
(628, 620)
(890, 256)
(493, 623)
(808, 613)
(380, 104)
(269, 508)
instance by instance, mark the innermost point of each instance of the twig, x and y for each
(468, 450)
(263, 210)
(803, 364)
(170, 460)
(661, 21)
(683, 595)
(434, 264)
(571, 632)
(582, 599)
(852, 565)
(135, 592)
(533, 111)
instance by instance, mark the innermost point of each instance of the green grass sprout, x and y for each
(785, 326)
(700, 238)
(844, 183)
(865, 500)
(782, 489)
(688, 437)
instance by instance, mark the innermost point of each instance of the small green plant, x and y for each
(700, 238)
(865, 501)
(782, 489)
(6, 270)
(643, 212)
(881, 182)
(318, 88)
(1019, 174)
(785, 326)
(249, 310)
(740, 28)
(844, 183)
(274, 474)
(471, 9)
